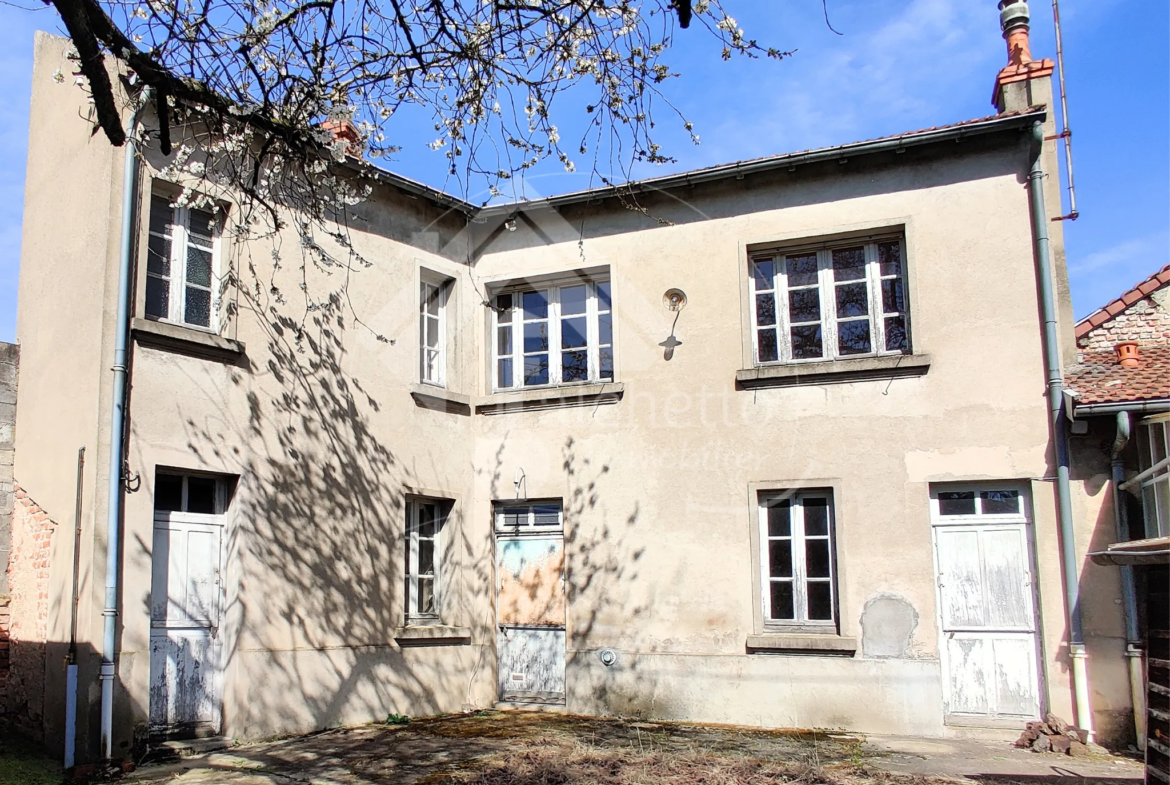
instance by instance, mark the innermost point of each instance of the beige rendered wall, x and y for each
(658, 488)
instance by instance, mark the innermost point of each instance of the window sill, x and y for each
(833, 371)
(786, 642)
(552, 398)
(440, 399)
(432, 635)
(185, 340)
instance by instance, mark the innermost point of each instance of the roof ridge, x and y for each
(1122, 302)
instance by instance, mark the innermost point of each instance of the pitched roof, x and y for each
(1099, 378)
(1116, 307)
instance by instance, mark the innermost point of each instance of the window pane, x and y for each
(432, 299)
(782, 606)
(765, 309)
(161, 215)
(504, 373)
(779, 519)
(816, 517)
(433, 333)
(604, 300)
(426, 596)
(158, 255)
(780, 558)
(201, 223)
(816, 558)
(168, 492)
(762, 275)
(573, 332)
(536, 369)
(806, 342)
(802, 270)
(804, 305)
(536, 305)
(605, 328)
(852, 300)
(820, 601)
(768, 351)
(575, 366)
(956, 502)
(893, 299)
(1162, 494)
(896, 340)
(428, 516)
(606, 363)
(573, 299)
(890, 258)
(426, 557)
(1000, 502)
(547, 514)
(198, 310)
(1157, 443)
(504, 340)
(536, 337)
(158, 293)
(515, 516)
(853, 337)
(201, 494)
(504, 303)
(198, 266)
(849, 264)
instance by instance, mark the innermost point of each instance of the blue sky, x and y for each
(898, 66)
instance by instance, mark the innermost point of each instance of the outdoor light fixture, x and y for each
(674, 299)
(510, 224)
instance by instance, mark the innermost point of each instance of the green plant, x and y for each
(397, 719)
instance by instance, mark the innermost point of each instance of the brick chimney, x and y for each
(1023, 82)
(347, 132)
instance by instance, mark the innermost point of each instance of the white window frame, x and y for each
(435, 373)
(532, 525)
(181, 237)
(799, 579)
(979, 514)
(514, 320)
(826, 288)
(412, 539)
(1155, 489)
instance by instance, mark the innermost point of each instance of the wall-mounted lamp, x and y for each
(510, 224)
(518, 480)
(674, 299)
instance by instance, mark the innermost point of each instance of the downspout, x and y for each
(117, 431)
(1133, 643)
(1072, 600)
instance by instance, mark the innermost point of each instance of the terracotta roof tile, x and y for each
(1117, 306)
(1099, 378)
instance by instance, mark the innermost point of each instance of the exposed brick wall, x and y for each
(1147, 321)
(28, 577)
(9, 355)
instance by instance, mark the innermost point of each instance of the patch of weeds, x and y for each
(24, 764)
(397, 719)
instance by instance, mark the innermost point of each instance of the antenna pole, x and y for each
(1066, 133)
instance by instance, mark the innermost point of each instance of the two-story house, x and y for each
(774, 449)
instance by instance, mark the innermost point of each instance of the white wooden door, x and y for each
(185, 609)
(987, 618)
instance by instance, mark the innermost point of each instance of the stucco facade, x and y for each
(324, 435)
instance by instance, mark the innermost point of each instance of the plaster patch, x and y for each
(967, 464)
(887, 626)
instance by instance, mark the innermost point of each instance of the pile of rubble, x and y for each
(1055, 735)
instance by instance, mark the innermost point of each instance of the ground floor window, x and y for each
(797, 559)
(425, 519)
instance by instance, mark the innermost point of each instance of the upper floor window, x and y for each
(433, 333)
(553, 335)
(828, 303)
(181, 262)
(1155, 477)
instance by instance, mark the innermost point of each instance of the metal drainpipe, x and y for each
(1072, 600)
(1133, 642)
(117, 430)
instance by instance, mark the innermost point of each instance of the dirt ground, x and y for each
(530, 748)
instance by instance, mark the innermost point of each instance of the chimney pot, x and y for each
(1128, 354)
(1014, 19)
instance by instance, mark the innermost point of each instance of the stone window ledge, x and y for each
(797, 643)
(184, 340)
(552, 398)
(440, 399)
(832, 371)
(432, 635)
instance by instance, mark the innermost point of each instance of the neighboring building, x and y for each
(821, 494)
(1120, 389)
